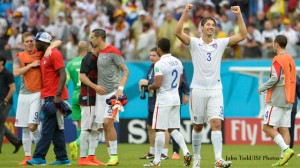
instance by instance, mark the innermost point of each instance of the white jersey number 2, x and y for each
(175, 74)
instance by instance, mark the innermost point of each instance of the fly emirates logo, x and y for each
(250, 131)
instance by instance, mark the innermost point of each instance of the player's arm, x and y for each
(143, 82)
(68, 75)
(125, 74)
(53, 44)
(184, 38)
(62, 80)
(18, 70)
(157, 83)
(84, 79)
(274, 79)
(242, 34)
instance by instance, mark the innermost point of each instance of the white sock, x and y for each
(281, 154)
(180, 141)
(26, 141)
(36, 136)
(165, 151)
(84, 143)
(196, 143)
(113, 147)
(217, 140)
(94, 140)
(152, 150)
(159, 145)
(279, 140)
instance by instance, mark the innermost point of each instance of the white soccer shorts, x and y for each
(206, 104)
(88, 118)
(166, 117)
(277, 116)
(103, 109)
(28, 109)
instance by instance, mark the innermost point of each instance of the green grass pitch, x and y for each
(242, 156)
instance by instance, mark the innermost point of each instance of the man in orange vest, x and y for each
(280, 97)
(27, 65)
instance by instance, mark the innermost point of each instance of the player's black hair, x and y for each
(100, 33)
(164, 44)
(281, 40)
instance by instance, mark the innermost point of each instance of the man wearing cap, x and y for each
(54, 92)
(291, 35)
(26, 64)
(17, 21)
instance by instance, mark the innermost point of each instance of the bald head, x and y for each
(83, 48)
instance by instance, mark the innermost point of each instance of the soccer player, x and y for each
(154, 57)
(7, 87)
(109, 63)
(73, 68)
(281, 89)
(27, 65)
(87, 99)
(168, 77)
(206, 97)
(53, 92)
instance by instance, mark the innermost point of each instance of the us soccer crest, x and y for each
(215, 45)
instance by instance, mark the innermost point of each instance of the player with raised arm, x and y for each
(168, 78)
(206, 97)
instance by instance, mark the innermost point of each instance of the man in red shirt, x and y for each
(53, 92)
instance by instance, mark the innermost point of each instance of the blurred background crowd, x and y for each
(133, 26)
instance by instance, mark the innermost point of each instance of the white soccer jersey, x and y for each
(171, 68)
(206, 60)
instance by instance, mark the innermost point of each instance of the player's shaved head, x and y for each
(100, 33)
(83, 46)
(281, 40)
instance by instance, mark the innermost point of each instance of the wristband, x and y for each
(121, 87)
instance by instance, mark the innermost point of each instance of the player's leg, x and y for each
(173, 124)
(176, 148)
(22, 115)
(34, 116)
(94, 137)
(215, 115)
(292, 128)
(76, 116)
(86, 112)
(151, 135)
(160, 125)
(197, 113)
(164, 154)
(272, 118)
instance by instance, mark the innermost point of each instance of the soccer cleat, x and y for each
(61, 162)
(222, 164)
(24, 162)
(147, 156)
(113, 161)
(196, 164)
(73, 150)
(164, 157)
(36, 161)
(85, 162)
(187, 159)
(287, 154)
(175, 156)
(278, 163)
(152, 164)
(93, 159)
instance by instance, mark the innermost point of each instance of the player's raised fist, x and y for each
(236, 9)
(188, 7)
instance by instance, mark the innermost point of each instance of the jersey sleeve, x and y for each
(224, 41)
(84, 68)
(57, 60)
(17, 60)
(158, 69)
(118, 60)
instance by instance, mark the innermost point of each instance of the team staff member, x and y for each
(281, 89)
(53, 92)
(7, 87)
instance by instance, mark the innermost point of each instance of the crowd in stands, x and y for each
(134, 26)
